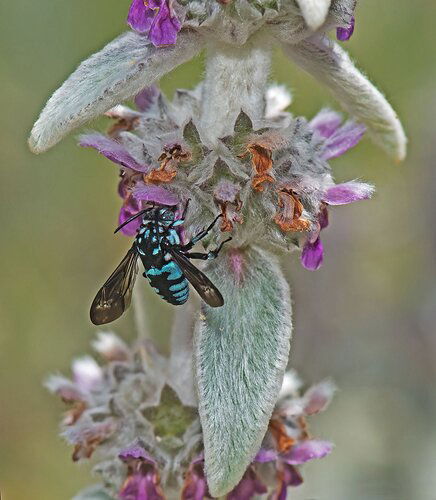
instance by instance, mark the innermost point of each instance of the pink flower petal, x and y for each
(140, 16)
(306, 451)
(226, 191)
(349, 192)
(126, 211)
(290, 477)
(156, 194)
(249, 486)
(136, 452)
(312, 255)
(318, 397)
(165, 26)
(342, 140)
(326, 122)
(87, 374)
(113, 150)
(265, 455)
(344, 34)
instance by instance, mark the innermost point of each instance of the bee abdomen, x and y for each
(169, 282)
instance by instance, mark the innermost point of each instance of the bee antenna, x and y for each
(130, 219)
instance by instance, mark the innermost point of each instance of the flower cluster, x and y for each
(271, 183)
(144, 432)
(161, 20)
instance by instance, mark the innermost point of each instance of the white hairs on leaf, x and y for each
(119, 71)
(331, 65)
(241, 351)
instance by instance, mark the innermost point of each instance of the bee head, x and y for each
(165, 215)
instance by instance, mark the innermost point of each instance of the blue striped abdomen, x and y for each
(163, 274)
(169, 282)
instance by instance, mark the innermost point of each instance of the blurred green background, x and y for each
(367, 318)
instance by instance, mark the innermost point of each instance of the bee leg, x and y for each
(186, 208)
(200, 235)
(213, 254)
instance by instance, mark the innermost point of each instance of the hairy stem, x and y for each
(236, 78)
(140, 314)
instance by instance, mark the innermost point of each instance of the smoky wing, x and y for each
(205, 288)
(114, 296)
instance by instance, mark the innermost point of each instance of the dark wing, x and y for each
(114, 296)
(205, 288)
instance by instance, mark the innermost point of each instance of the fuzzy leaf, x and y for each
(192, 137)
(314, 12)
(243, 124)
(331, 65)
(119, 71)
(241, 351)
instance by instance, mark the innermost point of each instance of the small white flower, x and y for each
(291, 385)
(314, 12)
(110, 346)
(87, 374)
(278, 98)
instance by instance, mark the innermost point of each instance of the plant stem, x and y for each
(140, 315)
(236, 78)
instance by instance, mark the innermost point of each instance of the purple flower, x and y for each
(318, 397)
(195, 486)
(140, 17)
(285, 463)
(348, 192)
(157, 19)
(156, 194)
(288, 476)
(113, 150)
(142, 481)
(326, 122)
(313, 252)
(344, 34)
(337, 139)
(134, 199)
(249, 486)
(132, 187)
(129, 208)
(312, 255)
(305, 451)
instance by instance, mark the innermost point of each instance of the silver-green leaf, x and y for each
(119, 71)
(241, 352)
(332, 66)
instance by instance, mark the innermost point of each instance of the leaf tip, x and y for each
(34, 144)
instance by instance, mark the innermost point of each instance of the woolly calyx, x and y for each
(270, 181)
(240, 364)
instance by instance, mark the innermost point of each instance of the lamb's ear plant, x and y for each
(218, 417)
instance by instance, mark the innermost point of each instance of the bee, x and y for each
(166, 262)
